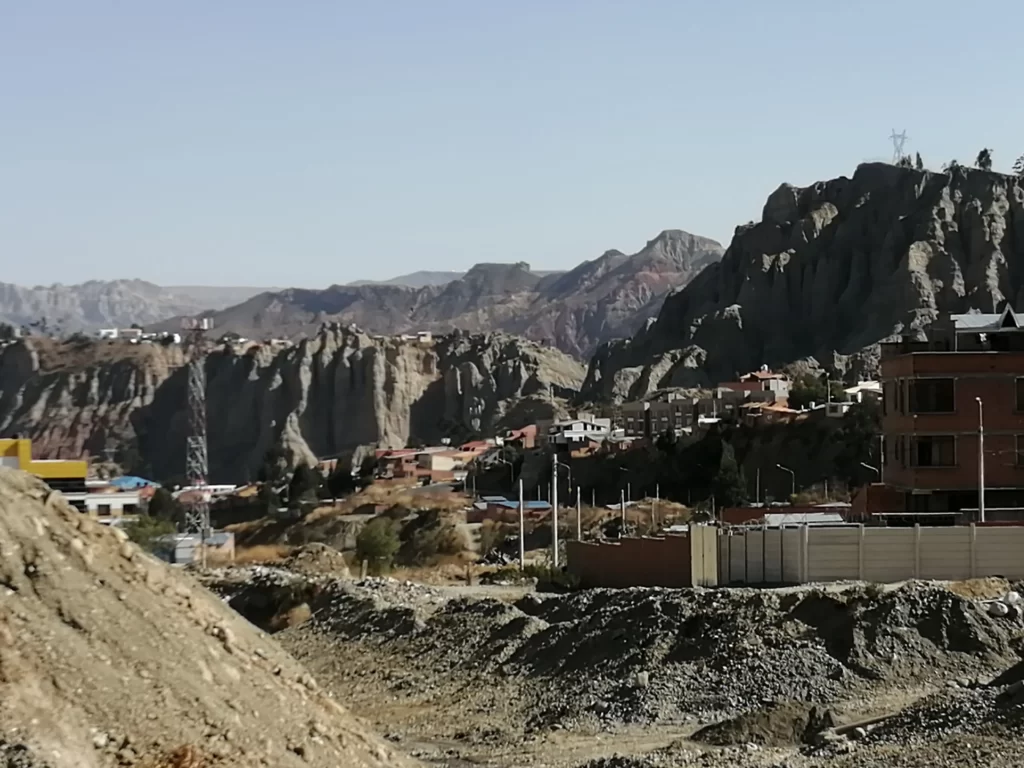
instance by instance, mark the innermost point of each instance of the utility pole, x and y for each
(522, 528)
(654, 507)
(622, 509)
(981, 461)
(579, 514)
(757, 497)
(554, 508)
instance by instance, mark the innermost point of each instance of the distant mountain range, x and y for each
(109, 303)
(610, 297)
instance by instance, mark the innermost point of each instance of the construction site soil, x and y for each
(111, 658)
(654, 676)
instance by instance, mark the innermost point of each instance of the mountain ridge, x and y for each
(601, 299)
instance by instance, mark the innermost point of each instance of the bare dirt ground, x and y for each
(111, 658)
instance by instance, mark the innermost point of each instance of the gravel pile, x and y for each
(651, 655)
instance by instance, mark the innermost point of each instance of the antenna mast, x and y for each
(197, 507)
(898, 141)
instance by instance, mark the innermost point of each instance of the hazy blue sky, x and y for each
(308, 142)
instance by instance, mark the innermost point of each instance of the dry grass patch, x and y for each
(262, 554)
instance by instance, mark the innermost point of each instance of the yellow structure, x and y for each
(57, 473)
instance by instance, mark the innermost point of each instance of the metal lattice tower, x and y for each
(899, 140)
(197, 508)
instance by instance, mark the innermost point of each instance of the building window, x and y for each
(129, 509)
(1020, 394)
(899, 396)
(932, 396)
(933, 451)
(103, 510)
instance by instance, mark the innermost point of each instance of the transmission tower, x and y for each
(197, 506)
(898, 141)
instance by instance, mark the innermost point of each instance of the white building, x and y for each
(107, 505)
(575, 431)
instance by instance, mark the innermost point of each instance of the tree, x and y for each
(1018, 166)
(905, 162)
(918, 162)
(952, 167)
(163, 506)
(268, 498)
(146, 530)
(729, 486)
(984, 160)
(378, 543)
(340, 482)
(806, 389)
(304, 484)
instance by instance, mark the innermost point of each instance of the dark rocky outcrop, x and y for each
(323, 396)
(831, 270)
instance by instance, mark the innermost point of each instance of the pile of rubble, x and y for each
(643, 655)
(110, 657)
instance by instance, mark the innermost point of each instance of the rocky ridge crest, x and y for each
(321, 397)
(829, 271)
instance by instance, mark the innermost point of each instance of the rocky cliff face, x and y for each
(323, 396)
(607, 298)
(829, 271)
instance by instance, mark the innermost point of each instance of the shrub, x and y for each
(378, 543)
(492, 535)
(146, 530)
(426, 543)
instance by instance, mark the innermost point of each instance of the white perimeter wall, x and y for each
(808, 554)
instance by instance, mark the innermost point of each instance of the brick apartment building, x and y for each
(931, 417)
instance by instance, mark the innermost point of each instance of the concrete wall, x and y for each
(807, 554)
(670, 561)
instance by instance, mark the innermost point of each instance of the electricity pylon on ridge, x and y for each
(898, 140)
(197, 467)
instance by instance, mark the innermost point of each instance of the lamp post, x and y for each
(873, 469)
(555, 464)
(792, 476)
(981, 461)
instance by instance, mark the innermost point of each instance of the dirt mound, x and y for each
(109, 657)
(638, 656)
(318, 558)
(777, 725)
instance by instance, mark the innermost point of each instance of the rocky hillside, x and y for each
(607, 298)
(109, 303)
(323, 396)
(111, 658)
(829, 271)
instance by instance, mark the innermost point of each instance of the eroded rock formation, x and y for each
(831, 270)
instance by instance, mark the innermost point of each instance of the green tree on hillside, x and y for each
(729, 485)
(163, 506)
(918, 162)
(1018, 166)
(304, 484)
(984, 161)
(806, 389)
(378, 543)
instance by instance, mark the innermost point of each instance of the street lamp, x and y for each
(792, 476)
(981, 461)
(873, 469)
